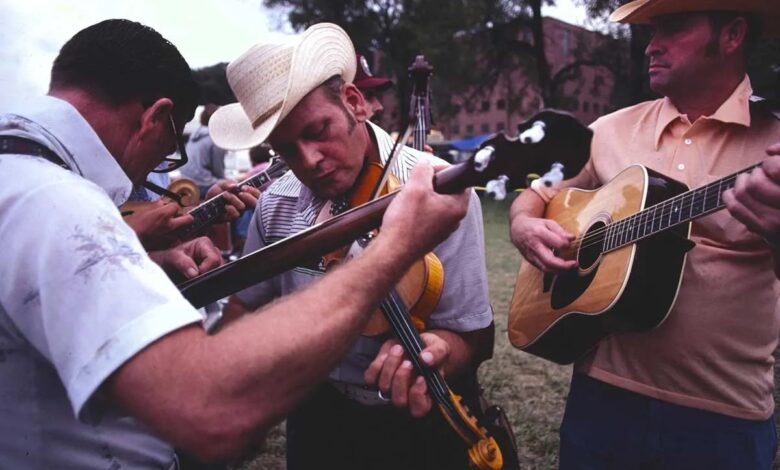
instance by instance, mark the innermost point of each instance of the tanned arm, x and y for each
(216, 396)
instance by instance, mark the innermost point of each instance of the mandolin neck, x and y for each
(670, 213)
(206, 213)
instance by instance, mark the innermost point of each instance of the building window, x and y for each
(456, 129)
(501, 104)
(485, 106)
(565, 43)
(485, 128)
(575, 105)
(585, 107)
(596, 108)
(500, 127)
(469, 129)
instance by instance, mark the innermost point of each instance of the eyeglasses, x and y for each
(173, 162)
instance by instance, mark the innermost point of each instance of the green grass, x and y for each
(531, 390)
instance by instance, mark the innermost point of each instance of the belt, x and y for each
(361, 394)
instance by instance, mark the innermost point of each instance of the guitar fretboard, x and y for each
(670, 213)
(209, 211)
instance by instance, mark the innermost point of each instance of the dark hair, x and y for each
(719, 19)
(118, 61)
(205, 115)
(260, 153)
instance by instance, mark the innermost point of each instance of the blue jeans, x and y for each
(605, 427)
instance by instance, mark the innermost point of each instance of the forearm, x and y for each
(222, 392)
(527, 204)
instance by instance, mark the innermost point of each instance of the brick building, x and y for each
(515, 98)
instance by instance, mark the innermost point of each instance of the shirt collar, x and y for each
(735, 110)
(56, 124)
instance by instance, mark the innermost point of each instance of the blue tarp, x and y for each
(472, 143)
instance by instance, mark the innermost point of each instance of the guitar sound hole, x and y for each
(592, 243)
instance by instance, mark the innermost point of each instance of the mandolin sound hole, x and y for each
(592, 244)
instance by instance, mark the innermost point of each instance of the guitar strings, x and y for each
(597, 236)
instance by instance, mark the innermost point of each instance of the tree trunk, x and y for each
(542, 66)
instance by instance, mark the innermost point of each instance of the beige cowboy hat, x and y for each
(641, 11)
(271, 78)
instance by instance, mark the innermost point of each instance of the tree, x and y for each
(213, 84)
(470, 42)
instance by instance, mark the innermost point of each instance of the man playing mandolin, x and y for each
(695, 392)
(373, 412)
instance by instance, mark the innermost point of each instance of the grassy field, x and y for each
(531, 390)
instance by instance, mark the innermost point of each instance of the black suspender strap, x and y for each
(12, 144)
(162, 191)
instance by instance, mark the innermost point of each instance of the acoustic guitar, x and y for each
(631, 244)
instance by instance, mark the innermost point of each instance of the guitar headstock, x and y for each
(548, 137)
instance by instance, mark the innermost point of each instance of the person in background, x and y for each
(206, 166)
(370, 86)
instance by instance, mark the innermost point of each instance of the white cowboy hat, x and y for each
(641, 11)
(270, 79)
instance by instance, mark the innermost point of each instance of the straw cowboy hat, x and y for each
(270, 79)
(641, 11)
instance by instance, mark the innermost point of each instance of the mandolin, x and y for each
(206, 213)
(631, 245)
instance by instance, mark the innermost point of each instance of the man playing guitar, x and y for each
(696, 392)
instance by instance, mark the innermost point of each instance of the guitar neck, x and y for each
(206, 213)
(674, 211)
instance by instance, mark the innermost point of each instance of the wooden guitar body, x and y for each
(632, 288)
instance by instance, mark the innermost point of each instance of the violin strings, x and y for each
(398, 317)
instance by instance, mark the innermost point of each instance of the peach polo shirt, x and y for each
(714, 351)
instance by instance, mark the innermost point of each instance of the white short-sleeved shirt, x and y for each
(287, 207)
(78, 298)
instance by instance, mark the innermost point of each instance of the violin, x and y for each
(419, 289)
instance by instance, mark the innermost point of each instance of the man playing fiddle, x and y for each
(696, 392)
(373, 407)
